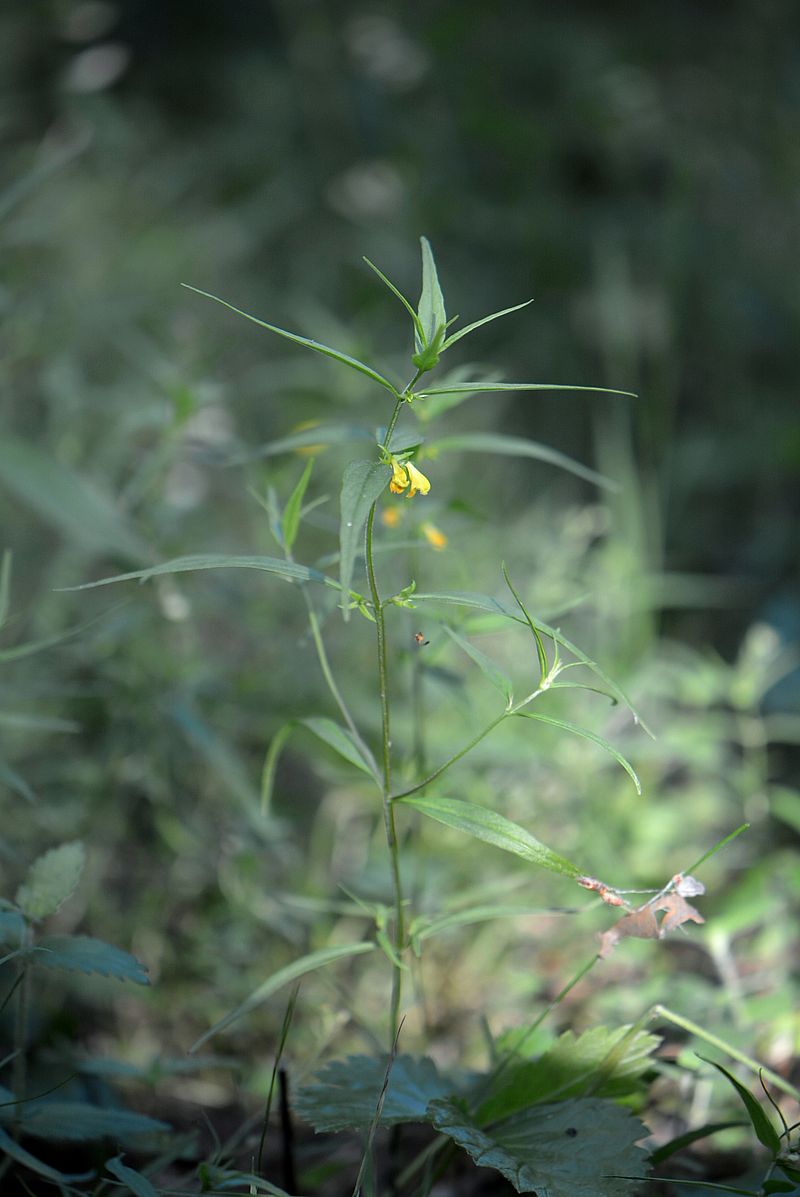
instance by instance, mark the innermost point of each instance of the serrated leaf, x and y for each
(515, 446)
(139, 1185)
(492, 828)
(765, 1131)
(68, 501)
(362, 484)
(476, 388)
(272, 565)
(585, 734)
(81, 953)
(283, 976)
(566, 1149)
(13, 1149)
(50, 881)
(431, 310)
(346, 1092)
(463, 332)
(291, 514)
(12, 926)
(80, 1121)
(601, 1061)
(499, 679)
(344, 358)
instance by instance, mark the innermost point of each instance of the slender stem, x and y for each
(452, 760)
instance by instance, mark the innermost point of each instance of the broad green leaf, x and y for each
(317, 346)
(291, 514)
(50, 880)
(362, 485)
(431, 310)
(515, 446)
(271, 565)
(80, 1121)
(345, 1092)
(13, 1149)
(567, 1149)
(12, 926)
(480, 387)
(492, 828)
(765, 1131)
(81, 953)
(499, 679)
(463, 332)
(333, 734)
(59, 495)
(601, 1062)
(585, 734)
(418, 329)
(298, 968)
(138, 1184)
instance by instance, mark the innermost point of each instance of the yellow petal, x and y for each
(400, 478)
(434, 537)
(418, 481)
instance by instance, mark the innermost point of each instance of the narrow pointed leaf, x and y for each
(516, 446)
(479, 387)
(138, 1184)
(317, 346)
(463, 332)
(362, 485)
(765, 1131)
(499, 679)
(492, 828)
(13, 1149)
(298, 968)
(5, 585)
(273, 565)
(399, 295)
(291, 515)
(701, 1132)
(271, 764)
(585, 734)
(340, 740)
(431, 310)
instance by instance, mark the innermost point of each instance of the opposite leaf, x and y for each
(50, 881)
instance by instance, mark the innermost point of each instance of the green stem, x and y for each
(452, 760)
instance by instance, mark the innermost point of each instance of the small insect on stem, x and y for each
(419, 638)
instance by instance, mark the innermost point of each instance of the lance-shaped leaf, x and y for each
(338, 738)
(317, 346)
(765, 1131)
(50, 880)
(492, 828)
(272, 565)
(291, 515)
(345, 1092)
(419, 331)
(565, 1149)
(515, 446)
(431, 310)
(476, 388)
(463, 332)
(362, 484)
(585, 734)
(283, 976)
(138, 1184)
(499, 679)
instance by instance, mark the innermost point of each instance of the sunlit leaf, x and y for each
(492, 828)
(50, 880)
(317, 346)
(585, 734)
(764, 1130)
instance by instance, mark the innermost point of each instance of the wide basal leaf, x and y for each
(50, 880)
(601, 1062)
(80, 1121)
(299, 968)
(345, 1093)
(565, 1149)
(585, 734)
(81, 953)
(344, 358)
(69, 502)
(139, 1185)
(492, 828)
(271, 565)
(515, 446)
(362, 484)
(499, 679)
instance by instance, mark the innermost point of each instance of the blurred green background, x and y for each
(635, 169)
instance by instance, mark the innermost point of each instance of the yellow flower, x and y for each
(400, 479)
(390, 517)
(418, 481)
(436, 539)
